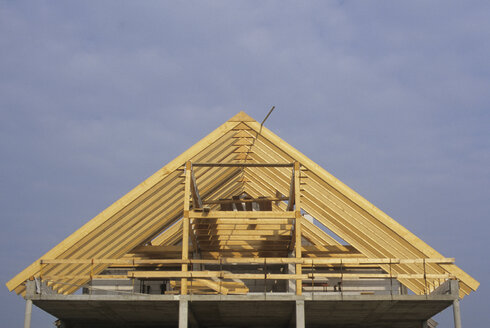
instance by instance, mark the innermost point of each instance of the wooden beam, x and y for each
(291, 191)
(282, 238)
(254, 226)
(241, 232)
(185, 223)
(242, 215)
(254, 260)
(245, 200)
(251, 276)
(319, 233)
(168, 234)
(298, 224)
(243, 164)
(211, 274)
(196, 198)
(247, 221)
(274, 276)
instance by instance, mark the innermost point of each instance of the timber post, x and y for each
(185, 225)
(298, 223)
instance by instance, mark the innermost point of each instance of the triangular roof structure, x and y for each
(151, 214)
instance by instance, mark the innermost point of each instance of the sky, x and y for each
(392, 97)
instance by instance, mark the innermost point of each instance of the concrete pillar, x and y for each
(300, 314)
(27, 318)
(457, 314)
(183, 312)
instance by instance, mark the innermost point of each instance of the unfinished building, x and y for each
(242, 230)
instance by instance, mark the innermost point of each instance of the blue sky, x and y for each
(391, 97)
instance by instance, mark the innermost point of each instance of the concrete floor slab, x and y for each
(83, 311)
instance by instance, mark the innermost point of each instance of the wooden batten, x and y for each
(243, 134)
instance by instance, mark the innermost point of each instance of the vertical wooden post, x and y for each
(185, 225)
(298, 223)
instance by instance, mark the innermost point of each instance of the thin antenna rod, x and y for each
(268, 114)
(253, 143)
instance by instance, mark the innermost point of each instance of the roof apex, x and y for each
(241, 117)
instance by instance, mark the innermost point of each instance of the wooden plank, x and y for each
(243, 164)
(271, 276)
(246, 200)
(242, 150)
(241, 117)
(254, 260)
(185, 222)
(242, 215)
(319, 233)
(219, 227)
(241, 126)
(282, 238)
(252, 276)
(243, 134)
(214, 285)
(165, 236)
(243, 142)
(245, 221)
(196, 197)
(211, 274)
(298, 224)
(241, 232)
(199, 283)
(292, 194)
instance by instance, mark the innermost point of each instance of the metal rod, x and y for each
(267, 116)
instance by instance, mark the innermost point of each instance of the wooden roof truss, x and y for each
(241, 195)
